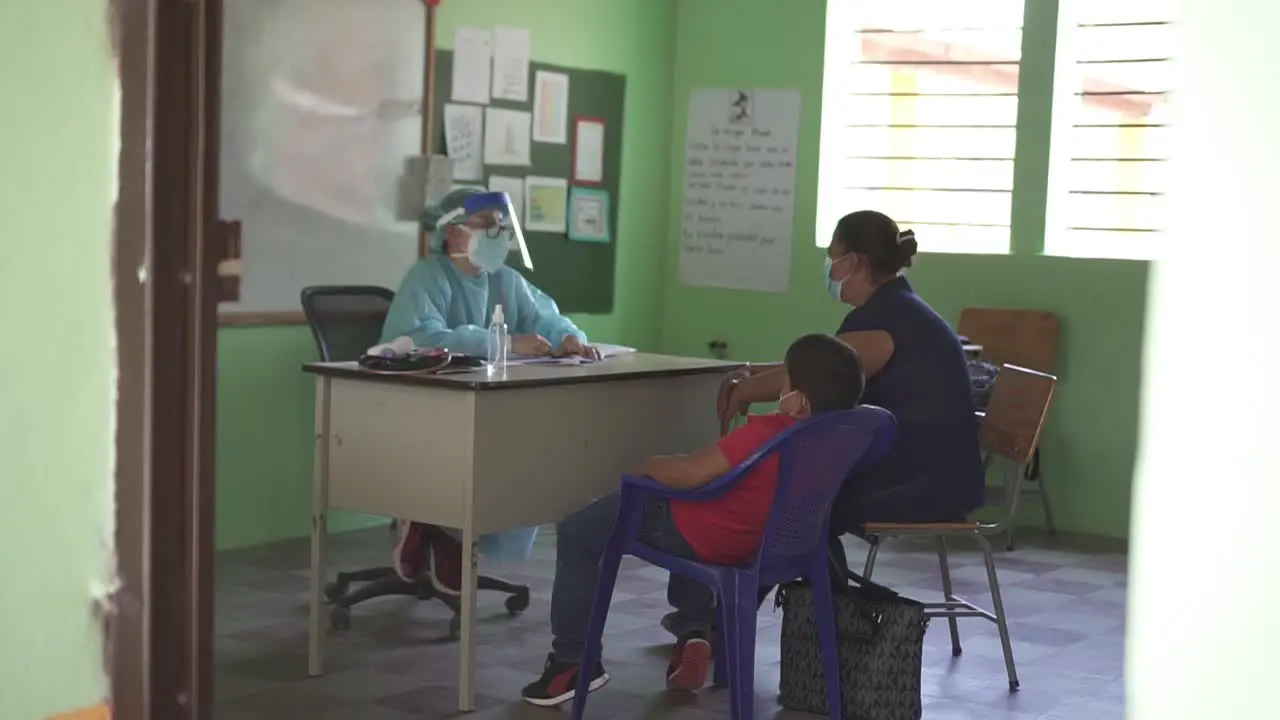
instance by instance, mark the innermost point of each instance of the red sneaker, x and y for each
(689, 661)
(407, 557)
(444, 562)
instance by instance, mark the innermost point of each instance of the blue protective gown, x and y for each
(438, 305)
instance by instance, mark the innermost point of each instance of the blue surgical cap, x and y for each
(450, 202)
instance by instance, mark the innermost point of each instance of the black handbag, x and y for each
(880, 643)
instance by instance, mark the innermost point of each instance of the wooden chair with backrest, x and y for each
(1029, 339)
(1015, 419)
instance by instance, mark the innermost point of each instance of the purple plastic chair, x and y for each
(814, 458)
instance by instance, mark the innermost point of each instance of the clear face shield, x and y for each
(495, 229)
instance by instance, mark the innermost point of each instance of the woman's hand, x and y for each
(530, 345)
(574, 346)
(728, 407)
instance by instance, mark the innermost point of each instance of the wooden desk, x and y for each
(483, 454)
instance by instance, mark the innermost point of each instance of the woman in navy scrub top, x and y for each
(915, 369)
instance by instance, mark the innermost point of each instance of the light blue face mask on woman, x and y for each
(834, 287)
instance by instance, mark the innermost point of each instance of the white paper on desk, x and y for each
(472, 65)
(550, 107)
(548, 360)
(463, 140)
(512, 48)
(507, 140)
(608, 351)
(513, 187)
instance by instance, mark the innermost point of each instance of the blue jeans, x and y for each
(580, 543)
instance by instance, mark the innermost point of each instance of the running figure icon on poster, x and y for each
(741, 107)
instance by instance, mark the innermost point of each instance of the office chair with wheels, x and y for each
(345, 321)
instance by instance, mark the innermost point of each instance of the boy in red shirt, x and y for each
(823, 374)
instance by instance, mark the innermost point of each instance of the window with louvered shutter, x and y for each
(919, 119)
(1119, 69)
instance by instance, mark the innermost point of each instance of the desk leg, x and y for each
(319, 530)
(466, 629)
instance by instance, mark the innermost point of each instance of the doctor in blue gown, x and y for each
(447, 300)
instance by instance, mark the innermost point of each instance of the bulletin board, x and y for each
(578, 275)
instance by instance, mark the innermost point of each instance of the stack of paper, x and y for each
(606, 351)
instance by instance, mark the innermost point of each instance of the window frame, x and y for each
(1071, 92)
(839, 52)
(1047, 107)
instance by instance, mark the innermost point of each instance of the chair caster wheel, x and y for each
(1014, 685)
(455, 627)
(517, 603)
(333, 592)
(340, 618)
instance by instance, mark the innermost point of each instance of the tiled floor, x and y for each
(1066, 608)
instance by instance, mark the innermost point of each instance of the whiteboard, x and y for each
(739, 188)
(320, 110)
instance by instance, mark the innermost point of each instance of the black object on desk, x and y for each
(415, 362)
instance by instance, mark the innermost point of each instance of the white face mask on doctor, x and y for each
(491, 227)
(487, 252)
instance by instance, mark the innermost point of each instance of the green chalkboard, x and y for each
(579, 275)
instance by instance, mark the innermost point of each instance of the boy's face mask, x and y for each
(795, 408)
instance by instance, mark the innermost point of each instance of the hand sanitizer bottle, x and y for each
(499, 343)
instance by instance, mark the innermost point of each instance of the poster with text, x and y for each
(739, 188)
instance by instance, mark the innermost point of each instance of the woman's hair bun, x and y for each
(907, 246)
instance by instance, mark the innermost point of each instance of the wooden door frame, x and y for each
(159, 628)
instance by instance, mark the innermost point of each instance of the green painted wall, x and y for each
(1089, 447)
(667, 48)
(265, 403)
(57, 419)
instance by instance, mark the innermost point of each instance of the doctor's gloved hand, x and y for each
(530, 345)
(573, 346)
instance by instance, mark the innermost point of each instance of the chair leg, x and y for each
(518, 595)
(387, 585)
(1049, 524)
(944, 565)
(364, 576)
(490, 583)
(727, 647)
(997, 604)
(609, 565)
(824, 610)
(1015, 493)
(721, 647)
(742, 683)
(870, 565)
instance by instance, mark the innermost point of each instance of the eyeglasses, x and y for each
(493, 223)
